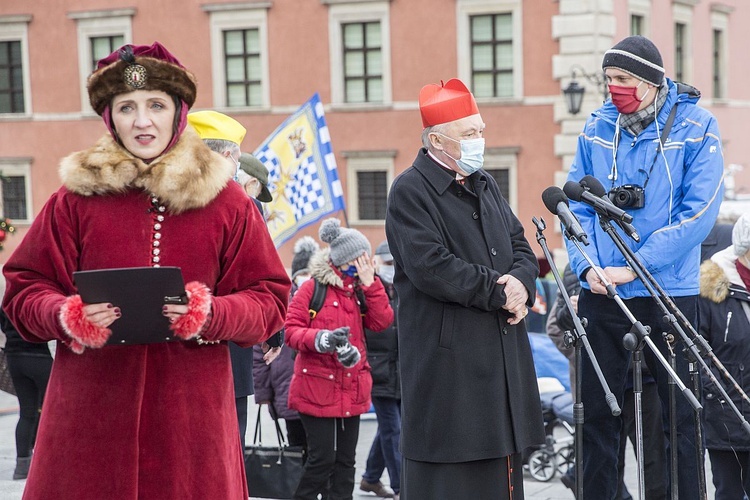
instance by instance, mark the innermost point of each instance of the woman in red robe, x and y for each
(150, 420)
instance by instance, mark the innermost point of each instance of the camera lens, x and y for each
(623, 198)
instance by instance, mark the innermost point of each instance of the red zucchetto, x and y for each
(446, 102)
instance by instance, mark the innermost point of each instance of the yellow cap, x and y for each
(214, 125)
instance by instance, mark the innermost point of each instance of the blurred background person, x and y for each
(382, 354)
(724, 312)
(30, 365)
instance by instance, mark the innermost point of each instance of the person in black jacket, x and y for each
(724, 312)
(30, 365)
(382, 353)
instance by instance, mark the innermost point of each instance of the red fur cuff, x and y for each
(75, 324)
(191, 324)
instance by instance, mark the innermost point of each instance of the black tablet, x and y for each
(140, 293)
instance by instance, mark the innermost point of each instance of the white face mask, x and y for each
(386, 272)
(472, 154)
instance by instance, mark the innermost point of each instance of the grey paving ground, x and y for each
(535, 490)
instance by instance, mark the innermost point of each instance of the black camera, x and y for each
(628, 196)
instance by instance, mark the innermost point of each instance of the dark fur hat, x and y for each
(139, 67)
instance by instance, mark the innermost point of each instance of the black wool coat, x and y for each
(382, 354)
(468, 384)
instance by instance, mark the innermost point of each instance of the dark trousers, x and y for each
(241, 405)
(384, 450)
(331, 454)
(731, 474)
(30, 375)
(601, 434)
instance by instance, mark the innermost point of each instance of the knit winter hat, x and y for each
(638, 56)
(346, 244)
(741, 235)
(304, 248)
(139, 67)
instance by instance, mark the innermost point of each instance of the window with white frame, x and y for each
(15, 185)
(100, 33)
(502, 165)
(719, 52)
(239, 53)
(640, 14)
(359, 44)
(369, 176)
(15, 88)
(490, 47)
(682, 13)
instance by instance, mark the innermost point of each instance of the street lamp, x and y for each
(573, 93)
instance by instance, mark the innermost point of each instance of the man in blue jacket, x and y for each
(672, 187)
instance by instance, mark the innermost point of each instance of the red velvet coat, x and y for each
(321, 386)
(145, 421)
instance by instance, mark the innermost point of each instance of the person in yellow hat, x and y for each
(222, 133)
(465, 278)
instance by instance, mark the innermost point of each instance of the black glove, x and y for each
(328, 341)
(348, 355)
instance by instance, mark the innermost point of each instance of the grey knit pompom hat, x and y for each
(346, 244)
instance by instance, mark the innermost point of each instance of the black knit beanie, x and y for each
(638, 56)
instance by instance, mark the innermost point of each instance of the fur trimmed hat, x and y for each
(637, 56)
(139, 67)
(304, 248)
(346, 244)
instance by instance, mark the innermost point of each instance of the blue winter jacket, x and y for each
(692, 174)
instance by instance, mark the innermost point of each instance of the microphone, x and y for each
(577, 192)
(557, 203)
(592, 184)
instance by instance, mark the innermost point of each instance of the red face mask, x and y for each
(626, 99)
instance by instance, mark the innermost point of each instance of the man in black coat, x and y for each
(464, 275)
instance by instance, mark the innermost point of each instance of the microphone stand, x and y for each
(579, 340)
(692, 354)
(633, 341)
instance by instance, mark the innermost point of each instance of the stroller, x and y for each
(557, 454)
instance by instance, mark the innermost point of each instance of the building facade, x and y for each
(258, 60)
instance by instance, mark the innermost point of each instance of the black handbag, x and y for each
(272, 471)
(6, 382)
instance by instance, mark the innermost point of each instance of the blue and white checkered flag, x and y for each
(302, 174)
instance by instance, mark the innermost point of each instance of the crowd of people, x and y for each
(428, 330)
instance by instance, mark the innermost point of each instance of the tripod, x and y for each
(634, 340)
(579, 341)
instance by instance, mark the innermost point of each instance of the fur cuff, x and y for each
(191, 324)
(83, 332)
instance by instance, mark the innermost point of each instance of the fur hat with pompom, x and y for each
(304, 248)
(346, 244)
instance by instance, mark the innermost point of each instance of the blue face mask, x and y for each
(349, 270)
(472, 154)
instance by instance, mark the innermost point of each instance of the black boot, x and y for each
(22, 467)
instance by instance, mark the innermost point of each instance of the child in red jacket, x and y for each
(331, 384)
